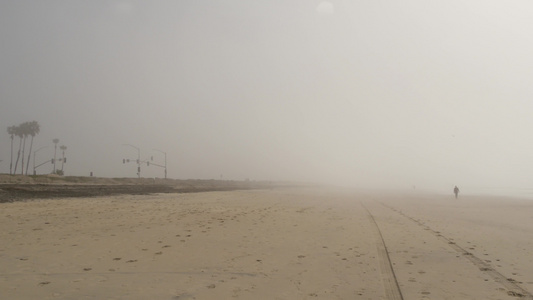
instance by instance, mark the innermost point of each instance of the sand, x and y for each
(267, 244)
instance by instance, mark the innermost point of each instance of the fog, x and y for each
(425, 94)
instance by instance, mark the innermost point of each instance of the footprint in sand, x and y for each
(184, 297)
(515, 294)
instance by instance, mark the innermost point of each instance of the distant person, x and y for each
(456, 191)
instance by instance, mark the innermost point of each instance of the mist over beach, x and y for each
(266, 149)
(425, 95)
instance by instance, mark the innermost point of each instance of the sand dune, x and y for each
(267, 244)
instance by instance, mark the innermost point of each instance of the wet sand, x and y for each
(267, 244)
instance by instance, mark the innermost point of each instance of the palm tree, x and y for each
(55, 151)
(63, 148)
(34, 130)
(18, 132)
(11, 130)
(25, 127)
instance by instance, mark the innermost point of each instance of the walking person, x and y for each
(456, 191)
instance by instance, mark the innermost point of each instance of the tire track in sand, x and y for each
(392, 288)
(513, 289)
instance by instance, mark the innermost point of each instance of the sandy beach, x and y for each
(286, 243)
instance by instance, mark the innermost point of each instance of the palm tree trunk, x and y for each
(11, 161)
(18, 156)
(29, 155)
(22, 164)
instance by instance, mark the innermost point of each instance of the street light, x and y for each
(64, 159)
(138, 159)
(34, 153)
(165, 161)
(55, 141)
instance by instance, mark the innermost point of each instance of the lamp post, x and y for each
(64, 159)
(138, 159)
(165, 161)
(55, 141)
(34, 153)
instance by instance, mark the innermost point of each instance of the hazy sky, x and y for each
(365, 93)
